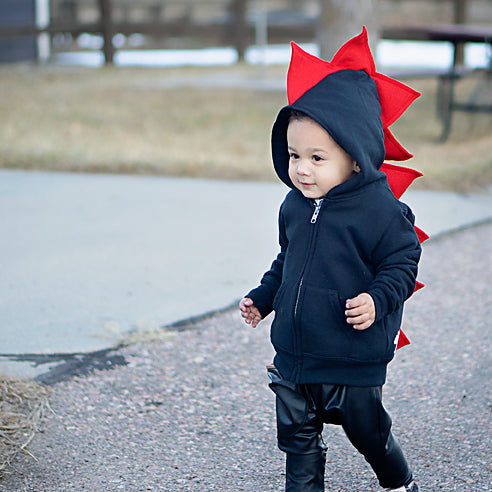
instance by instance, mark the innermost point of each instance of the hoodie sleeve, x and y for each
(263, 295)
(396, 258)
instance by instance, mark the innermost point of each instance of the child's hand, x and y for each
(249, 312)
(361, 311)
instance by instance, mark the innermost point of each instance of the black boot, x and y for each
(305, 472)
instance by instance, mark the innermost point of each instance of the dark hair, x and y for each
(295, 114)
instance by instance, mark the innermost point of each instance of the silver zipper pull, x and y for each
(314, 218)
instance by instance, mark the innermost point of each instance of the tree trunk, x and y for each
(341, 20)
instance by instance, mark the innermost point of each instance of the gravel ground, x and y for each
(192, 411)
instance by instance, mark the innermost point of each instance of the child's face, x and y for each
(317, 163)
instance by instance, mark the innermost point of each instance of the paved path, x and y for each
(84, 259)
(192, 411)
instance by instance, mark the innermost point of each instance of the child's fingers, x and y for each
(249, 312)
(360, 309)
(356, 302)
(245, 304)
(252, 320)
(361, 321)
(255, 317)
(356, 311)
(357, 320)
(362, 326)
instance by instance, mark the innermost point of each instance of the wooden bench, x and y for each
(446, 103)
(457, 35)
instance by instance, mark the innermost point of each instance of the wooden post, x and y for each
(238, 9)
(459, 17)
(107, 30)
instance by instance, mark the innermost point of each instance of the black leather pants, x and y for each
(302, 409)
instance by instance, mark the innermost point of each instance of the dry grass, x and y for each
(144, 333)
(123, 121)
(464, 161)
(22, 406)
(142, 120)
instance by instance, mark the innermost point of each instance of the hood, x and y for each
(353, 102)
(346, 104)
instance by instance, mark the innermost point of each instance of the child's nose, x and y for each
(303, 168)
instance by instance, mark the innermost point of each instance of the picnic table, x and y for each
(457, 35)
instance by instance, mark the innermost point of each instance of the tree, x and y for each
(340, 20)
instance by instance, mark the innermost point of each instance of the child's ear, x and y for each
(355, 167)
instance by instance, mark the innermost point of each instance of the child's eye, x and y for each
(317, 158)
(293, 156)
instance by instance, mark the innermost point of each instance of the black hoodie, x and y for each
(362, 240)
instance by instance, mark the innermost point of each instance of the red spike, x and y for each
(355, 54)
(305, 71)
(394, 150)
(399, 177)
(421, 234)
(394, 97)
(402, 340)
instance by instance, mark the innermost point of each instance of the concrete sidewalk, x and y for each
(87, 258)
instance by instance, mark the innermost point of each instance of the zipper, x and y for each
(314, 218)
(317, 208)
(297, 349)
(298, 295)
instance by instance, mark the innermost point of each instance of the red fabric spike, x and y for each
(305, 71)
(355, 54)
(421, 234)
(402, 340)
(394, 150)
(399, 177)
(394, 98)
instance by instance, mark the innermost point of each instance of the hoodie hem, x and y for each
(334, 371)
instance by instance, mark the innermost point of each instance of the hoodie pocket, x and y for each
(378, 342)
(278, 297)
(372, 344)
(325, 332)
(282, 331)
